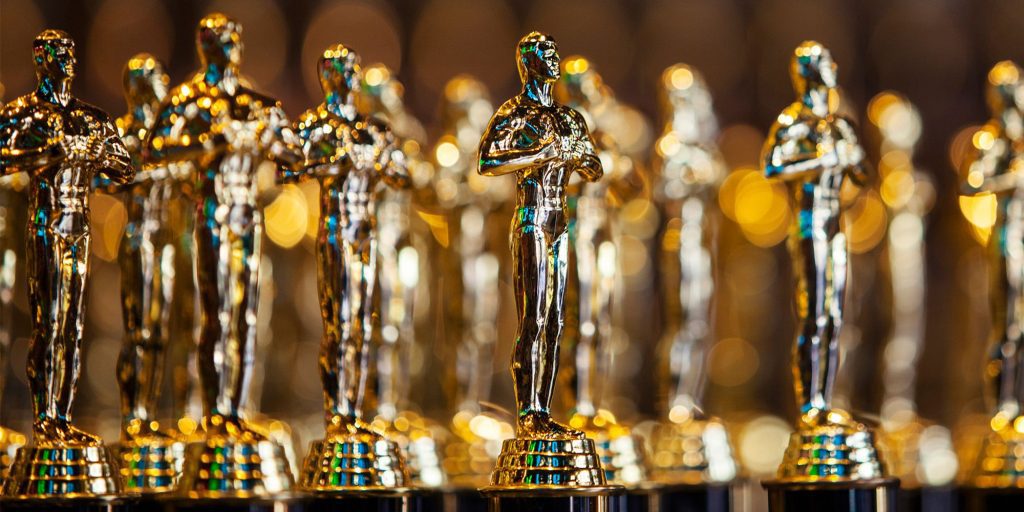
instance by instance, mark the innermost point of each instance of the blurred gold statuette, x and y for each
(543, 144)
(349, 154)
(590, 287)
(150, 456)
(690, 447)
(63, 144)
(472, 263)
(12, 202)
(813, 150)
(225, 130)
(917, 451)
(993, 167)
(401, 256)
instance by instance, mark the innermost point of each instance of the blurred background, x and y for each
(936, 52)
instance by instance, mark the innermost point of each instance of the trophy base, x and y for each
(552, 499)
(400, 499)
(226, 467)
(464, 499)
(982, 499)
(623, 457)
(82, 504)
(694, 498)
(830, 444)
(352, 461)
(694, 451)
(527, 464)
(56, 471)
(179, 504)
(879, 495)
(928, 499)
(150, 464)
(414, 435)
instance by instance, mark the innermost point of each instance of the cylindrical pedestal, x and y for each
(928, 499)
(69, 504)
(975, 499)
(289, 503)
(641, 498)
(856, 496)
(377, 500)
(464, 499)
(568, 499)
(694, 498)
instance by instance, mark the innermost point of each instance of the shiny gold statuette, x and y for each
(993, 167)
(593, 239)
(151, 457)
(471, 264)
(12, 206)
(63, 144)
(401, 255)
(813, 150)
(349, 155)
(225, 130)
(918, 452)
(543, 144)
(691, 447)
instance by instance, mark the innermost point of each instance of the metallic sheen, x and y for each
(543, 143)
(690, 447)
(223, 128)
(63, 144)
(349, 155)
(813, 149)
(151, 457)
(993, 166)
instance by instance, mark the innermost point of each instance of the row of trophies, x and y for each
(204, 141)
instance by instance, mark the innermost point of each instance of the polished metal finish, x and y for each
(689, 446)
(475, 207)
(349, 155)
(150, 456)
(225, 130)
(543, 143)
(63, 144)
(813, 150)
(593, 239)
(992, 166)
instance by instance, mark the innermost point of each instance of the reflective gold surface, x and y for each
(992, 167)
(349, 155)
(223, 128)
(543, 143)
(813, 149)
(688, 446)
(64, 144)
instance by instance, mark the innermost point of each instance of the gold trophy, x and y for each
(543, 143)
(11, 203)
(831, 458)
(475, 206)
(225, 130)
(401, 255)
(349, 155)
(593, 241)
(150, 456)
(919, 452)
(63, 144)
(690, 449)
(992, 167)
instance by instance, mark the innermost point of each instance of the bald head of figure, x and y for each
(339, 71)
(537, 58)
(219, 41)
(54, 54)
